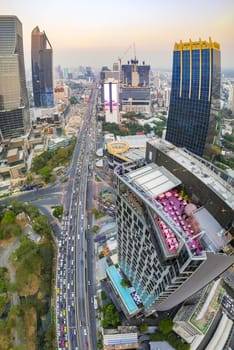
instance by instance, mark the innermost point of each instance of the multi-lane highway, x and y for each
(75, 282)
(76, 329)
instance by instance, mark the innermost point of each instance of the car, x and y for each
(89, 283)
(85, 332)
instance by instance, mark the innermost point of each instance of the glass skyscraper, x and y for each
(14, 105)
(42, 69)
(195, 93)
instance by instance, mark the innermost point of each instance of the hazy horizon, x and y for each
(98, 33)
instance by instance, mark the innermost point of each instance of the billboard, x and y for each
(110, 96)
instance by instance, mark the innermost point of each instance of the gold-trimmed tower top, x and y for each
(196, 45)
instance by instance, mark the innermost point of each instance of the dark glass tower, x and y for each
(42, 69)
(14, 105)
(134, 74)
(195, 93)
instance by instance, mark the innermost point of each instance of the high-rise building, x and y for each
(42, 69)
(134, 74)
(111, 101)
(135, 90)
(14, 105)
(175, 221)
(195, 94)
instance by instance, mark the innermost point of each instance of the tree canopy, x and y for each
(165, 325)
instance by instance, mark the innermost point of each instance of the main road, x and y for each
(81, 328)
(75, 283)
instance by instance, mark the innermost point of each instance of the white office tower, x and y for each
(111, 99)
(175, 222)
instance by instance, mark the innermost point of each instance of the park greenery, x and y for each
(58, 212)
(111, 317)
(165, 333)
(32, 264)
(8, 225)
(130, 126)
(44, 164)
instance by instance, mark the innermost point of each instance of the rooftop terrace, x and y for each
(213, 177)
(178, 219)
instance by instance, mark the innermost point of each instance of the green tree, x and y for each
(17, 206)
(147, 128)
(8, 217)
(103, 295)
(73, 100)
(143, 328)
(158, 336)
(165, 325)
(29, 179)
(58, 212)
(124, 282)
(32, 211)
(111, 317)
(41, 225)
(45, 172)
(95, 228)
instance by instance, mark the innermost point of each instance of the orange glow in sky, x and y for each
(96, 33)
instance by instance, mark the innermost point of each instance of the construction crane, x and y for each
(123, 55)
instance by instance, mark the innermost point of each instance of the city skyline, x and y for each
(97, 34)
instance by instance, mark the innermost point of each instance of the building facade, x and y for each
(135, 91)
(42, 69)
(170, 240)
(195, 94)
(111, 100)
(135, 74)
(14, 105)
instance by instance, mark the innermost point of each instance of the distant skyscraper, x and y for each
(195, 94)
(135, 75)
(14, 105)
(42, 69)
(135, 92)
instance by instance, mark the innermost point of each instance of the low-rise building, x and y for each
(196, 316)
(121, 338)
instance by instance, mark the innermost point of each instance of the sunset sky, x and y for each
(97, 32)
